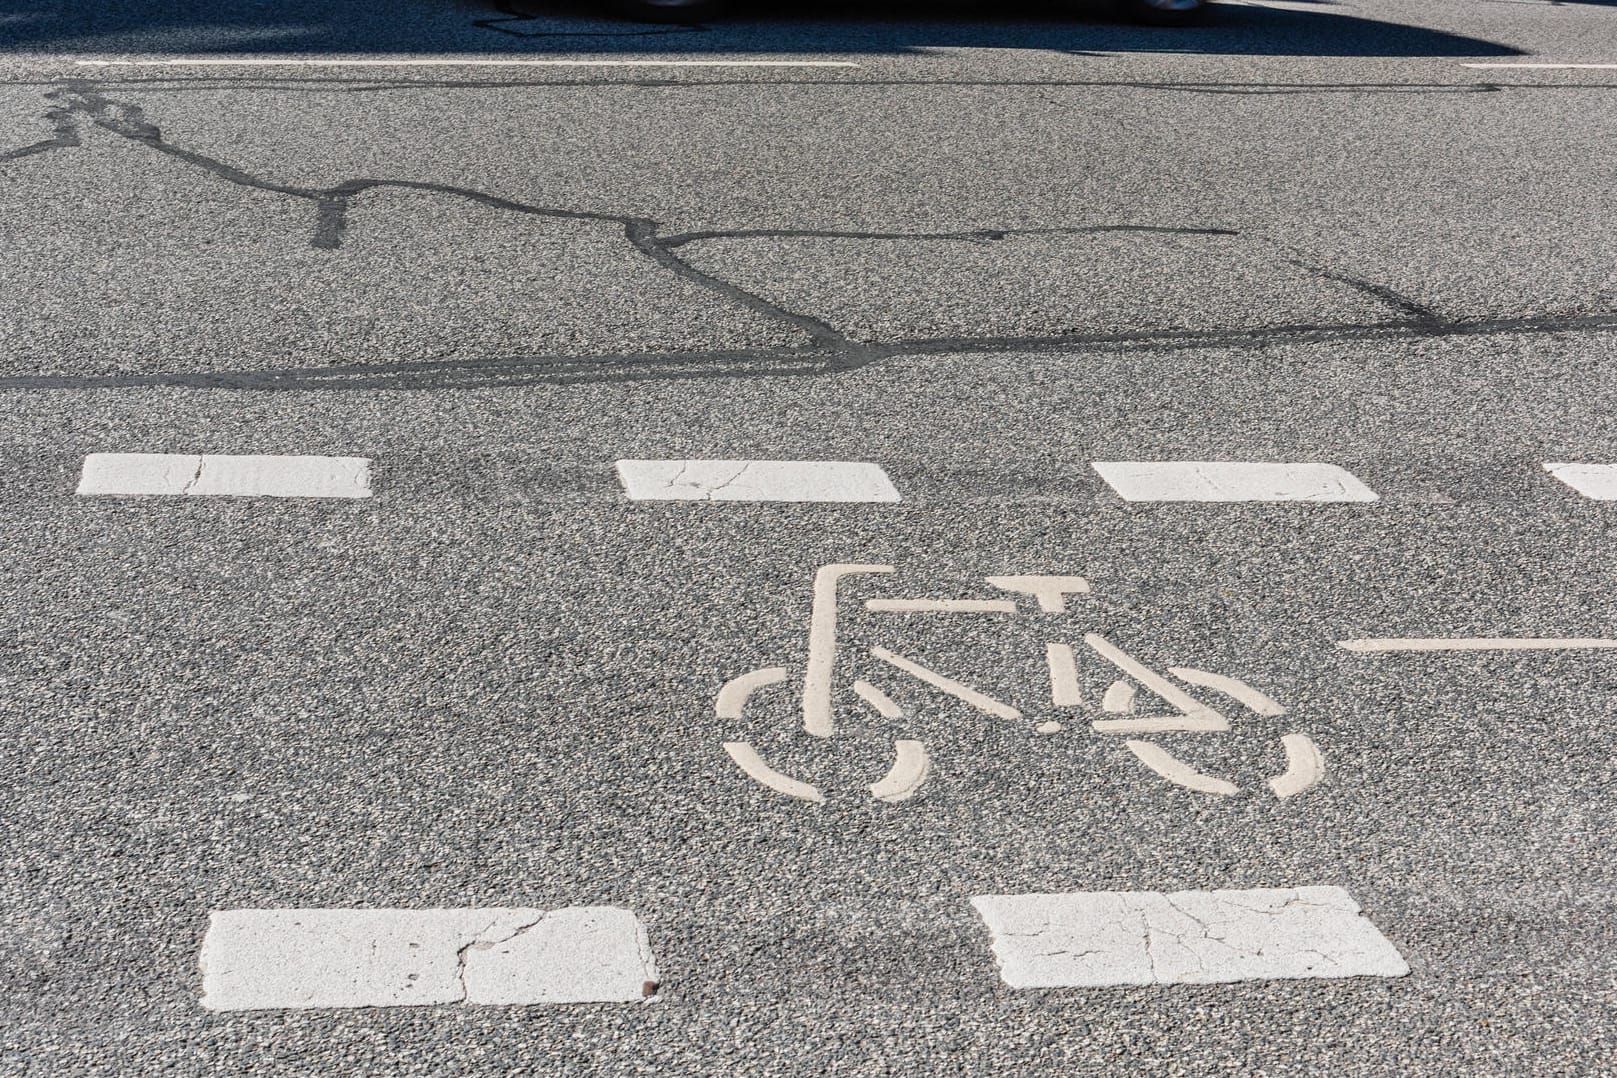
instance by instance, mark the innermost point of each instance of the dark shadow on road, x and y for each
(538, 27)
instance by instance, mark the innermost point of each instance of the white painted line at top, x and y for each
(755, 481)
(204, 474)
(304, 958)
(941, 606)
(1550, 67)
(448, 61)
(1596, 481)
(1230, 481)
(1385, 644)
(1102, 938)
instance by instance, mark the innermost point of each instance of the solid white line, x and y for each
(205, 474)
(1231, 481)
(755, 481)
(1552, 67)
(303, 958)
(1371, 646)
(1596, 481)
(213, 61)
(1092, 939)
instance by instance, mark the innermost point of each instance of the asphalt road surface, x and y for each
(957, 257)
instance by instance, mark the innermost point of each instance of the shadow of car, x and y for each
(1152, 12)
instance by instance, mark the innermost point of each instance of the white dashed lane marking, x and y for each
(1230, 481)
(290, 958)
(1091, 939)
(1597, 481)
(200, 475)
(755, 481)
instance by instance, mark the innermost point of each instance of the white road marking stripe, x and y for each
(1372, 645)
(1597, 481)
(884, 705)
(303, 958)
(734, 694)
(911, 765)
(1193, 714)
(1091, 939)
(941, 606)
(755, 481)
(1063, 675)
(1234, 688)
(1175, 770)
(1230, 481)
(201, 475)
(1050, 591)
(1304, 766)
(219, 61)
(961, 692)
(822, 646)
(1551, 67)
(756, 768)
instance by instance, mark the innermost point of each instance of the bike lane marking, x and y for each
(1305, 765)
(755, 481)
(213, 474)
(1095, 939)
(279, 959)
(1231, 481)
(1595, 481)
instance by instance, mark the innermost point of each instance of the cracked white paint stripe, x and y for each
(1091, 939)
(204, 474)
(1230, 481)
(1594, 481)
(306, 958)
(755, 481)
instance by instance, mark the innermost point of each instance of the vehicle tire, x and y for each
(1165, 12)
(668, 11)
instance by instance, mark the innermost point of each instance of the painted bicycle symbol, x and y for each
(911, 763)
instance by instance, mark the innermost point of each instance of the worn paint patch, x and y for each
(333, 958)
(216, 474)
(1595, 481)
(1231, 481)
(1102, 938)
(755, 481)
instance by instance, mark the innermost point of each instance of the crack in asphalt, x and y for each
(129, 121)
(64, 133)
(320, 85)
(981, 235)
(826, 350)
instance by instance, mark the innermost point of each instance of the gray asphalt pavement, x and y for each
(994, 248)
